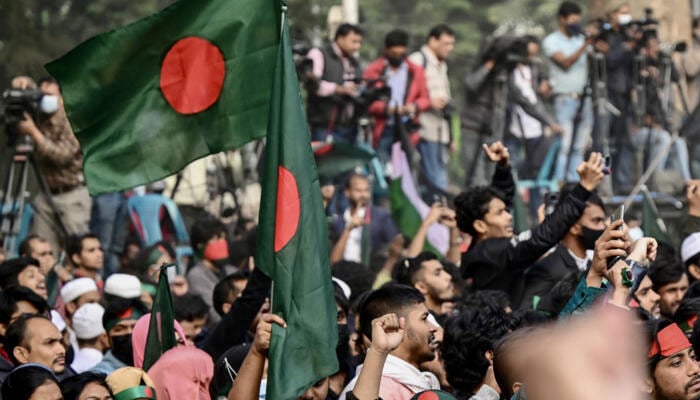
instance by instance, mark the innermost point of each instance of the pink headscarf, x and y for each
(183, 373)
(140, 335)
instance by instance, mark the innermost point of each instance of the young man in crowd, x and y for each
(435, 135)
(91, 335)
(409, 93)
(671, 283)
(118, 321)
(77, 292)
(673, 370)
(208, 238)
(23, 272)
(497, 258)
(401, 377)
(573, 253)
(191, 312)
(86, 255)
(427, 274)
(363, 229)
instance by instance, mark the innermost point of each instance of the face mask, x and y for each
(573, 29)
(635, 233)
(395, 61)
(588, 237)
(48, 104)
(216, 250)
(122, 349)
(624, 19)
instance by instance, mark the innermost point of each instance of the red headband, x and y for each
(669, 341)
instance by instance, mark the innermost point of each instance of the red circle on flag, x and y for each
(288, 208)
(192, 75)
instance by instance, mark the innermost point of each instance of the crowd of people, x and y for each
(580, 306)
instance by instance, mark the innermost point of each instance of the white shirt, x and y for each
(353, 247)
(522, 124)
(85, 359)
(582, 263)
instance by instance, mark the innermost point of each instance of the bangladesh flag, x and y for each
(335, 158)
(146, 99)
(408, 209)
(161, 327)
(292, 244)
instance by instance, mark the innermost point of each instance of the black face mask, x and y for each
(220, 264)
(588, 237)
(574, 29)
(395, 61)
(122, 349)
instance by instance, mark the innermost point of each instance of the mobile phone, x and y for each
(550, 202)
(619, 214)
(607, 169)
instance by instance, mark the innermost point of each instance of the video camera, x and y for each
(17, 102)
(506, 51)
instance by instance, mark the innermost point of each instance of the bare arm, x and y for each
(565, 62)
(387, 334)
(247, 384)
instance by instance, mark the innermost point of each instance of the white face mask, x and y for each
(624, 19)
(48, 104)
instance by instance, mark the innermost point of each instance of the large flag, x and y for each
(652, 223)
(292, 244)
(407, 207)
(161, 327)
(146, 99)
(335, 158)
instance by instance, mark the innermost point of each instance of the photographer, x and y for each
(409, 93)
(330, 108)
(435, 135)
(566, 50)
(490, 89)
(60, 161)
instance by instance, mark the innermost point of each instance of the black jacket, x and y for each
(499, 264)
(541, 277)
(233, 327)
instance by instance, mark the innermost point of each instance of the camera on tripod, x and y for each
(17, 102)
(507, 51)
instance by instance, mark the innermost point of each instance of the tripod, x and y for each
(14, 196)
(597, 90)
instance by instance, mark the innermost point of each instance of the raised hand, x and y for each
(387, 333)
(591, 171)
(497, 153)
(693, 195)
(263, 332)
(610, 244)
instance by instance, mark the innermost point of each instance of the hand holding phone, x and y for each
(618, 215)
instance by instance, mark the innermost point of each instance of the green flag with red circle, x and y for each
(146, 99)
(292, 244)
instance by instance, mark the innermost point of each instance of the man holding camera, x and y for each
(409, 93)
(60, 162)
(330, 108)
(435, 135)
